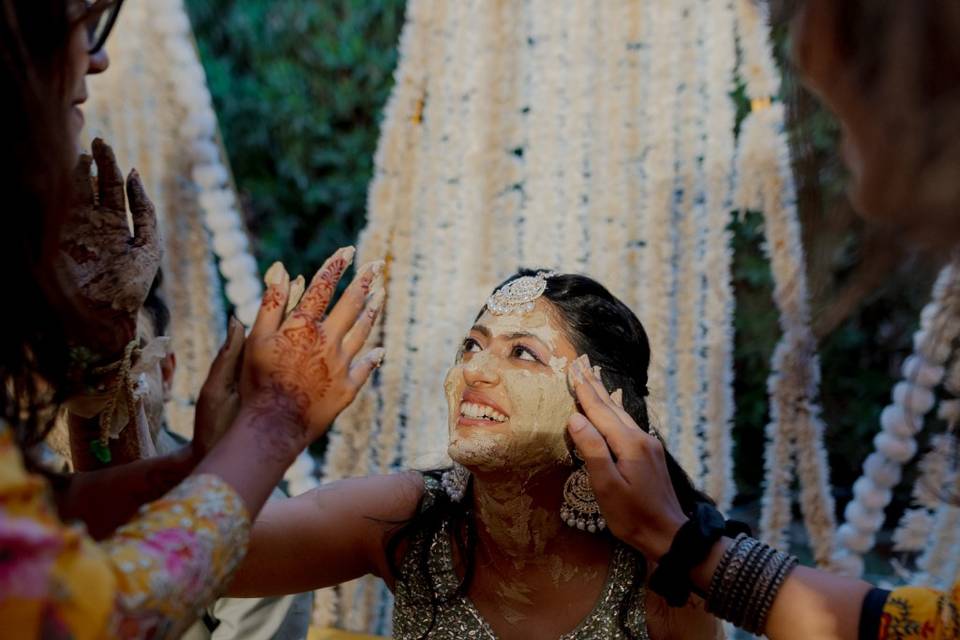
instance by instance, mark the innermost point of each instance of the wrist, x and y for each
(279, 426)
(655, 544)
(693, 545)
(105, 342)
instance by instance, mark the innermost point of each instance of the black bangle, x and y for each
(691, 546)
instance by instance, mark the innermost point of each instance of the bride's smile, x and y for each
(507, 394)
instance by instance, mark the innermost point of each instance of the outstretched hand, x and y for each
(627, 467)
(109, 269)
(219, 399)
(303, 366)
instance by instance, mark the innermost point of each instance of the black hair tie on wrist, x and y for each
(691, 546)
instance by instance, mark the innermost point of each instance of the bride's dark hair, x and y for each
(598, 324)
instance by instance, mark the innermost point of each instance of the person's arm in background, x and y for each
(80, 496)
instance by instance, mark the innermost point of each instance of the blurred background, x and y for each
(299, 88)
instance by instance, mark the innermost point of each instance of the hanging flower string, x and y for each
(718, 65)
(895, 445)
(765, 184)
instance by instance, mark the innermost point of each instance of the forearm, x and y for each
(107, 498)
(811, 604)
(255, 453)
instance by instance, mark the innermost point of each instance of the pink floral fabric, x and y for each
(151, 579)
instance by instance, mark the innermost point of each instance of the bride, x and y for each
(509, 542)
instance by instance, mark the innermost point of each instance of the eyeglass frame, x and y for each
(114, 9)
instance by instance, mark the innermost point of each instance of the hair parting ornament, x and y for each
(518, 296)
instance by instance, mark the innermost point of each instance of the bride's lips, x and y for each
(472, 397)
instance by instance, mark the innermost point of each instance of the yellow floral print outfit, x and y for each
(921, 613)
(150, 579)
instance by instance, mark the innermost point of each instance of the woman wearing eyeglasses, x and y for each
(74, 279)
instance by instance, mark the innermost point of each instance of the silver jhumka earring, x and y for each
(580, 508)
(518, 296)
(455, 481)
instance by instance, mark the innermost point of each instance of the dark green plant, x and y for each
(299, 88)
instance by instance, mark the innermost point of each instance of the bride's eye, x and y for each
(470, 346)
(523, 353)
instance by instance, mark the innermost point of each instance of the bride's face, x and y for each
(507, 394)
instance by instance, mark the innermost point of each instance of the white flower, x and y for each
(913, 530)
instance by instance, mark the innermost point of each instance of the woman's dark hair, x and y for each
(35, 170)
(601, 326)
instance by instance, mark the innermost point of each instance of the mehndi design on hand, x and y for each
(302, 364)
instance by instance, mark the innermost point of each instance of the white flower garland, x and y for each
(689, 226)
(662, 34)
(718, 63)
(631, 22)
(765, 183)
(388, 234)
(895, 444)
(210, 173)
(445, 196)
(939, 564)
(615, 134)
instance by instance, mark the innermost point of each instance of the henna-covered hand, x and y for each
(107, 269)
(301, 366)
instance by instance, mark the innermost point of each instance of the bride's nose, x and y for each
(480, 371)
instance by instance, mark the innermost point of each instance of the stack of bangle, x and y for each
(746, 582)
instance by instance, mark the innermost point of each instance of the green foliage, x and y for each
(299, 87)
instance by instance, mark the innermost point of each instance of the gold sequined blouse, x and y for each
(457, 618)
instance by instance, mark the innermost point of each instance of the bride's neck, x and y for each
(518, 512)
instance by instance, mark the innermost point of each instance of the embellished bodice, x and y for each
(621, 602)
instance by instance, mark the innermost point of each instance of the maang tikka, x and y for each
(518, 296)
(580, 508)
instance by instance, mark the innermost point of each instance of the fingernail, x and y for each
(596, 371)
(297, 287)
(276, 275)
(348, 253)
(378, 354)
